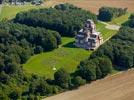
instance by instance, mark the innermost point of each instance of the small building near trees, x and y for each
(88, 38)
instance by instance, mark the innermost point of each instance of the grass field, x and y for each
(9, 11)
(120, 20)
(67, 56)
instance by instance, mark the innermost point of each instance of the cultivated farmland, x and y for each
(94, 5)
(116, 87)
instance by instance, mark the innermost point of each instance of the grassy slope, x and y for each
(10, 11)
(120, 20)
(67, 56)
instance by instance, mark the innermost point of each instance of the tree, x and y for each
(78, 81)
(98, 73)
(11, 68)
(105, 66)
(15, 95)
(44, 89)
(4, 78)
(3, 96)
(38, 49)
(49, 43)
(108, 13)
(88, 71)
(62, 78)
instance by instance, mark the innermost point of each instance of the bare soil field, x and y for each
(94, 5)
(115, 87)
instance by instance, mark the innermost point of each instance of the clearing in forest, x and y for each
(66, 56)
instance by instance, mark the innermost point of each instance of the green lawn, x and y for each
(120, 20)
(67, 56)
(9, 11)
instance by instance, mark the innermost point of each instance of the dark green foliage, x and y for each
(66, 7)
(98, 73)
(4, 78)
(108, 13)
(130, 22)
(44, 89)
(1, 1)
(104, 67)
(88, 71)
(78, 81)
(3, 96)
(64, 18)
(96, 68)
(15, 95)
(17, 44)
(62, 78)
(38, 49)
(120, 49)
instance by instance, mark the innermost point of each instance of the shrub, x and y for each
(78, 81)
(62, 78)
(108, 13)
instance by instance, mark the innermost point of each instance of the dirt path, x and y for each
(111, 26)
(115, 87)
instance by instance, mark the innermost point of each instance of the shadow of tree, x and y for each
(120, 68)
(70, 45)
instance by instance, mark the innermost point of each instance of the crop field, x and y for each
(9, 11)
(94, 5)
(66, 56)
(115, 87)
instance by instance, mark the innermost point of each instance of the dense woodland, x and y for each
(62, 18)
(109, 13)
(120, 49)
(19, 42)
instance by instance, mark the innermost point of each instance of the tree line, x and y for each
(64, 18)
(130, 22)
(120, 49)
(109, 13)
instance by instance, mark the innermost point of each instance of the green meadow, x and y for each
(67, 56)
(10, 11)
(120, 20)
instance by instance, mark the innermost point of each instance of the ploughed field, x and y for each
(94, 5)
(116, 87)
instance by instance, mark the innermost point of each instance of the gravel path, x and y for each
(111, 26)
